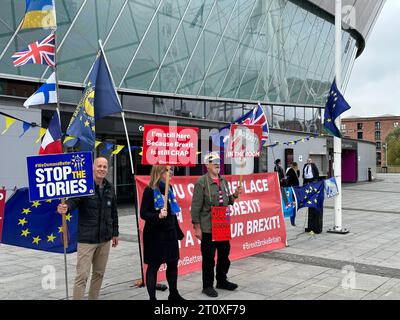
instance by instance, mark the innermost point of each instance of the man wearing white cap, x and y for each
(211, 190)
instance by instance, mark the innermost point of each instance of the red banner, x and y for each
(257, 223)
(2, 205)
(221, 224)
(169, 145)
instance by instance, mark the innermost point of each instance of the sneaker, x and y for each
(210, 291)
(227, 285)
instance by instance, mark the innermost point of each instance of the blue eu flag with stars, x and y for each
(334, 107)
(98, 101)
(311, 195)
(37, 225)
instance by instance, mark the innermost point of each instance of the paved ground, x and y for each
(364, 264)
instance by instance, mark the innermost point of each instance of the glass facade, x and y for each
(272, 51)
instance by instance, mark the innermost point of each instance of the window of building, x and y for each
(359, 126)
(377, 135)
(343, 127)
(377, 125)
(378, 146)
(359, 135)
(378, 158)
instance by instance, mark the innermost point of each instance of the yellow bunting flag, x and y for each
(68, 138)
(96, 144)
(118, 150)
(42, 132)
(9, 122)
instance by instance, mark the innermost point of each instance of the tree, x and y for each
(393, 145)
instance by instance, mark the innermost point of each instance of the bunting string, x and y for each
(115, 149)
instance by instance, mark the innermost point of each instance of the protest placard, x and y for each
(59, 176)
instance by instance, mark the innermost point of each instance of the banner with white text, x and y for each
(257, 223)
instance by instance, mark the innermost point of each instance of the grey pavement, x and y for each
(364, 264)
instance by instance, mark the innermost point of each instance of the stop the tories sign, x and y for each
(169, 145)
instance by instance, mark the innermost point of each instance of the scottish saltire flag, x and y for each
(331, 188)
(46, 94)
(39, 52)
(39, 14)
(51, 143)
(310, 195)
(98, 101)
(334, 107)
(37, 225)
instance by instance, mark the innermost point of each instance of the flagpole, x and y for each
(64, 219)
(337, 142)
(122, 112)
(131, 160)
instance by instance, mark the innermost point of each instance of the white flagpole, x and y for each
(64, 220)
(337, 143)
(141, 282)
(122, 112)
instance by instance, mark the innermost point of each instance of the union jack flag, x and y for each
(39, 52)
(256, 117)
(238, 144)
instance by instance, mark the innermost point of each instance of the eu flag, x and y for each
(334, 107)
(311, 195)
(98, 101)
(37, 225)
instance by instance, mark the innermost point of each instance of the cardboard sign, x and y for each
(221, 224)
(245, 141)
(169, 145)
(2, 205)
(58, 176)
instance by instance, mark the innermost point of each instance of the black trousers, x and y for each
(208, 248)
(315, 220)
(172, 278)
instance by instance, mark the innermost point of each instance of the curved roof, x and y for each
(359, 15)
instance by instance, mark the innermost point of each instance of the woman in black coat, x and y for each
(292, 175)
(161, 233)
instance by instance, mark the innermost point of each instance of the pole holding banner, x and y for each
(166, 187)
(337, 142)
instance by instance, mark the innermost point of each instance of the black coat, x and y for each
(292, 178)
(314, 170)
(160, 236)
(98, 216)
(281, 175)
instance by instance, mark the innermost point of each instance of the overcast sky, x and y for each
(374, 84)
